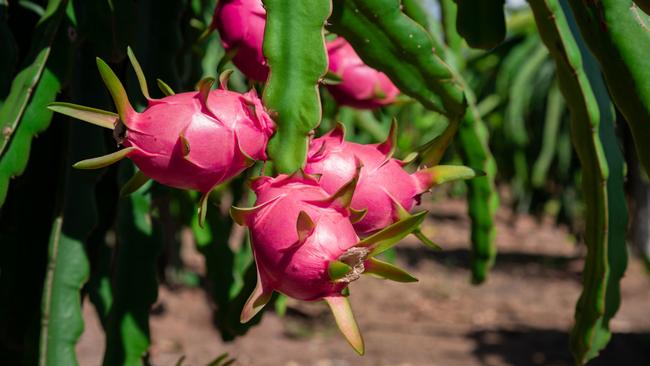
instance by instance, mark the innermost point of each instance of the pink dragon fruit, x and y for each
(192, 140)
(361, 86)
(385, 190)
(305, 246)
(241, 26)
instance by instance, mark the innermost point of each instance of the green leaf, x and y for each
(294, 46)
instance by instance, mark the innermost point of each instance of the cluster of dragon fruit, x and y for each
(312, 232)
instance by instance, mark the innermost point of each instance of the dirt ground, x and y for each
(520, 316)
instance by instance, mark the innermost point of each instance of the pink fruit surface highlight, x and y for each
(241, 26)
(361, 86)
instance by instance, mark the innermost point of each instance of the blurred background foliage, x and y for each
(66, 234)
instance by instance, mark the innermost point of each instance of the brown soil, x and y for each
(520, 316)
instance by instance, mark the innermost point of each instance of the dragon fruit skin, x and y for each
(385, 189)
(305, 245)
(361, 86)
(193, 140)
(181, 143)
(382, 182)
(241, 26)
(295, 267)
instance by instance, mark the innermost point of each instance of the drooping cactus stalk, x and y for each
(291, 93)
(592, 119)
(482, 23)
(305, 246)
(616, 31)
(482, 196)
(389, 41)
(193, 140)
(385, 189)
(473, 138)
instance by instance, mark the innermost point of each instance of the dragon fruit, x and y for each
(193, 140)
(361, 86)
(305, 246)
(385, 189)
(241, 26)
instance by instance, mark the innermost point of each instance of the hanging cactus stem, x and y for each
(104, 161)
(91, 115)
(344, 317)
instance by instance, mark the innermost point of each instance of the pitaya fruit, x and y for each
(385, 189)
(305, 246)
(241, 26)
(361, 86)
(193, 140)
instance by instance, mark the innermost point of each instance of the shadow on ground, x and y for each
(541, 265)
(548, 347)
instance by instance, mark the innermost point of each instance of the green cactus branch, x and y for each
(473, 138)
(482, 197)
(618, 34)
(294, 46)
(68, 267)
(592, 118)
(388, 40)
(21, 117)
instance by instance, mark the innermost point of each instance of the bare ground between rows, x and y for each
(520, 316)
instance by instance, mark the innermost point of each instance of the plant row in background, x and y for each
(321, 208)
